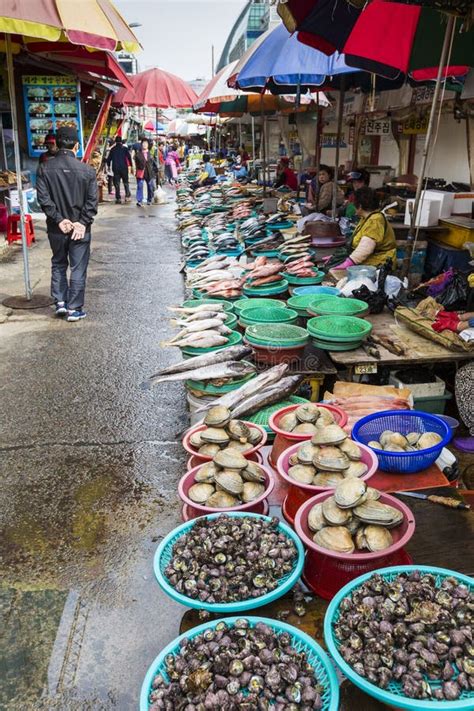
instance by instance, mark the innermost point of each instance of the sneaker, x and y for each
(61, 308)
(118, 202)
(139, 204)
(76, 315)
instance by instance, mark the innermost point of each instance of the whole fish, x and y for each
(198, 327)
(196, 309)
(230, 369)
(269, 395)
(269, 377)
(199, 316)
(231, 353)
(206, 339)
(265, 270)
(265, 280)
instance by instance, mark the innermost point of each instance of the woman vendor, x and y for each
(320, 195)
(286, 176)
(373, 241)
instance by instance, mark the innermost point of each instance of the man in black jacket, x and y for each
(67, 193)
(120, 160)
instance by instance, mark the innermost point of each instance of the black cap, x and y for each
(67, 133)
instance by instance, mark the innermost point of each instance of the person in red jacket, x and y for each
(286, 176)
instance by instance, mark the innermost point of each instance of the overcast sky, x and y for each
(177, 35)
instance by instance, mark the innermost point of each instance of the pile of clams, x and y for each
(415, 630)
(328, 458)
(230, 559)
(229, 480)
(353, 519)
(303, 419)
(412, 442)
(237, 668)
(223, 433)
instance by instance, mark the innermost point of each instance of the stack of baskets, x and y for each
(338, 333)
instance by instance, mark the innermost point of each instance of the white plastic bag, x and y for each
(159, 196)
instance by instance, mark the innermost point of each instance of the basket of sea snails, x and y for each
(349, 531)
(321, 463)
(230, 482)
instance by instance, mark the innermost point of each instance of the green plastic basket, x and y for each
(251, 303)
(268, 314)
(231, 320)
(301, 303)
(262, 417)
(209, 389)
(305, 281)
(337, 329)
(393, 695)
(279, 287)
(337, 306)
(200, 302)
(333, 346)
(279, 334)
(234, 339)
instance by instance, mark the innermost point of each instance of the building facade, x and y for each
(256, 17)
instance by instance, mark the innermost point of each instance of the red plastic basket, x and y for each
(203, 458)
(298, 494)
(276, 355)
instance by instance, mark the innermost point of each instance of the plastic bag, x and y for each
(159, 196)
(454, 295)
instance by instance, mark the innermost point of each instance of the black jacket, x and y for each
(67, 189)
(149, 166)
(119, 158)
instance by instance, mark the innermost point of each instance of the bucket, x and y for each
(194, 404)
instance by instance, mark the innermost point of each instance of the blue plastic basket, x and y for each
(323, 668)
(371, 427)
(163, 557)
(303, 290)
(392, 696)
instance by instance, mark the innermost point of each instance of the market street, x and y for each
(90, 464)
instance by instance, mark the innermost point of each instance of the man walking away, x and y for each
(67, 193)
(120, 160)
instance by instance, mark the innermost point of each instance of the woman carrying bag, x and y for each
(146, 171)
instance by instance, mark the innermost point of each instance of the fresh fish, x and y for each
(196, 309)
(269, 377)
(230, 369)
(199, 316)
(206, 339)
(201, 326)
(232, 353)
(268, 396)
(265, 280)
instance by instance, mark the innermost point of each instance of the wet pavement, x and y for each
(89, 465)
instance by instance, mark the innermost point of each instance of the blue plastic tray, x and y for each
(392, 696)
(404, 421)
(163, 557)
(323, 668)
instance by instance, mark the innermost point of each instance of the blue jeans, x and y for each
(149, 190)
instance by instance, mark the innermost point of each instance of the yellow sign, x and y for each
(414, 124)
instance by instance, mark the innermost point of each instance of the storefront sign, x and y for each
(50, 103)
(329, 140)
(413, 125)
(372, 127)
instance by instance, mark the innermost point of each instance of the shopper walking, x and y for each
(172, 166)
(121, 161)
(146, 171)
(67, 193)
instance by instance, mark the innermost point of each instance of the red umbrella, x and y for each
(157, 89)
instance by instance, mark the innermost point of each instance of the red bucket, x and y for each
(299, 493)
(283, 439)
(326, 572)
(276, 355)
(203, 458)
(193, 509)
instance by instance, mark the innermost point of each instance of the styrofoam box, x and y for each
(428, 213)
(420, 389)
(463, 203)
(446, 199)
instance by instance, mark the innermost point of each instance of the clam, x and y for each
(305, 428)
(327, 479)
(255, 436)
(393, 447)
(195, 440)
(356, 469)
(325, 417)
(306, 452)
(374, 512)
(375, 444)
(230, 459)
(200, 492)
(253, 472)
(288, 422)
(302, 473)
(238, 430)
(335, 538)
(236, 446)
(353, 525)
(349, 493)
(396, 439)
(215, 435)
(328, 434)
(384, 437)
(334, 515)
(251, 491)
(428, 439)
(210, 450)
(293, 460)
(413, 437)
(307, 412)
(331, 459)
(206, 473)
(315, 518)
(222, 500)
(374, 538)
(372, 494)
(351, 449)
(229, 480)
(217, 416)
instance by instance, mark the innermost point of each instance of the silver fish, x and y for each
(199, 316)
(222, 356)
(206, 339)
(195, 309)
(268, 396)
(232, 369)
(247, 389)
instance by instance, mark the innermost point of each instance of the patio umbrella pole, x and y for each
(411, 237)
(253, 142)
(340, 116)
(16, 146)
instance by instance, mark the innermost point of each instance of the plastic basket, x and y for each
(200, 302)
(301, 281)
(234, 339)
(164, 552)
(268, 314)
(336, 306)
(262, 417)
(278, 287)
(276, 335)
(301, 302)
(254, 302)
(316, 290)
(323, 668)
(205, 458)
(371, 427)
(339, 328)
(208, 388)
(392, 696)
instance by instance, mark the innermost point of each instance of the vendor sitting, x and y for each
(373, 241)
(208, 175)
(239, 169)
(286, 177)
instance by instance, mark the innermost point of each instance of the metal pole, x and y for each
(16, 147)
(253, 141)
(450, 25)
(340, 116)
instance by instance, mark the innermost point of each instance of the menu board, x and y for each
(50, 103)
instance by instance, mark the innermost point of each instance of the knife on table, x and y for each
(442, 500)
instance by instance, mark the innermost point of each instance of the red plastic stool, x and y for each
(14, 232)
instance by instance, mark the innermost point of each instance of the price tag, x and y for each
(365, 368)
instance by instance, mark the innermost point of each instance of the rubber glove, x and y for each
(346, 263)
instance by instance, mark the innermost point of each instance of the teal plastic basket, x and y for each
(280, 287)
(317, 657)
(251, 303)
(262, 417)
(304, 281)
(268, 314)
(276, 335)
(300, 303)
(339, 329)
(234, 339)
(336, 347)
(231, 320)
(164, 552)
(336, 306)
(226, 305)
(392, 696)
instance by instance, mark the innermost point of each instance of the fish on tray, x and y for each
(265, 280)
(204, 339)
(232, 353)
(216, 371)
(269, 377)
(268, 396)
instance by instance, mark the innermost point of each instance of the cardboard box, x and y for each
(428, 213)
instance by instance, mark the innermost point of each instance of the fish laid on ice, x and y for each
(231, 353)
(247, 389)
(231, 369)
(196, 309)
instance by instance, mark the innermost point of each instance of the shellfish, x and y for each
(328, 434)
(331, 459)
(217, 416)
(349, 493)
(335, 538)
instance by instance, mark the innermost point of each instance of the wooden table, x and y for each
(419, 350)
